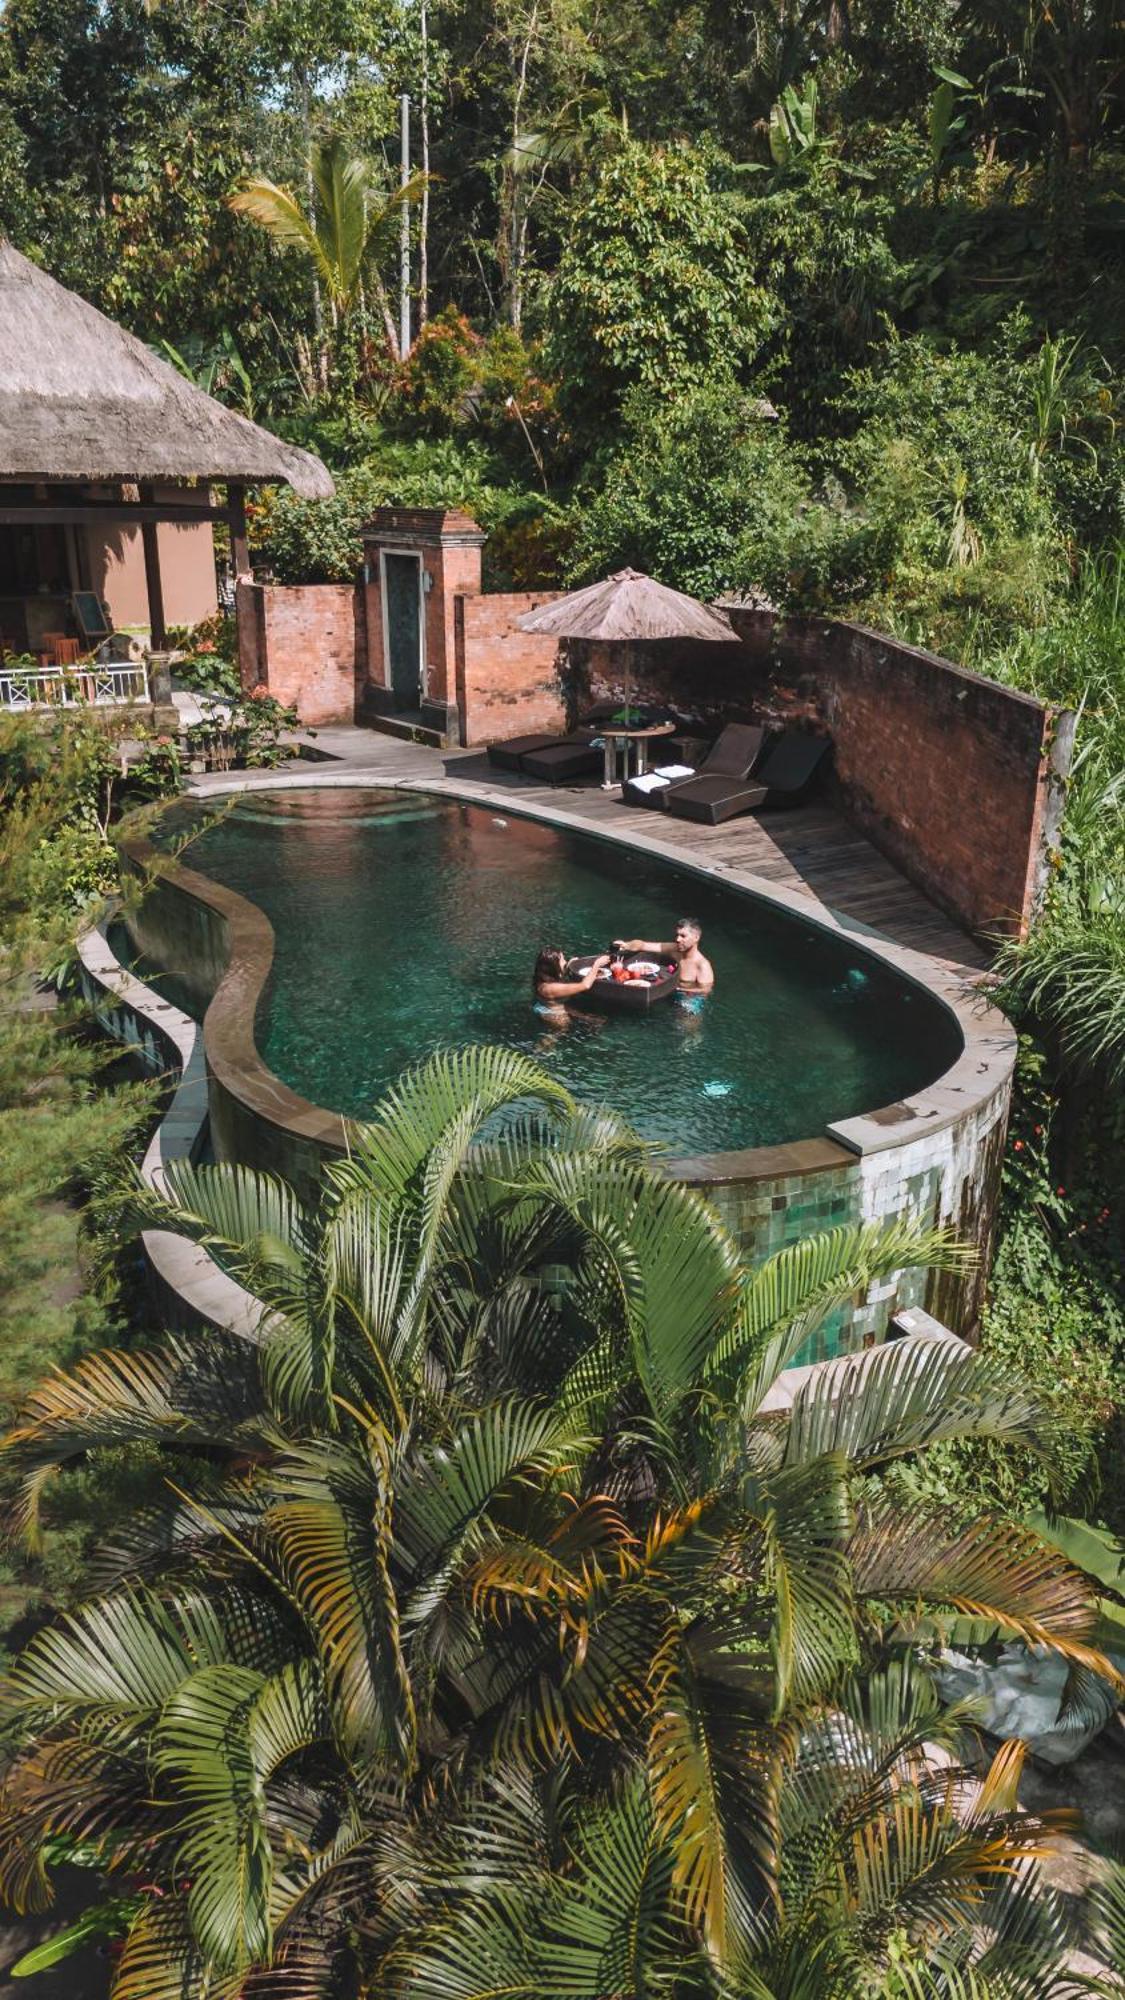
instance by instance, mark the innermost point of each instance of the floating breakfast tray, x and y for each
(625, 996)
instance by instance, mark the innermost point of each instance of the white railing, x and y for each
(73, 687)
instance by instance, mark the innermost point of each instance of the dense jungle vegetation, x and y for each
(826, 300)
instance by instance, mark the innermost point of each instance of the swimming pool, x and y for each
(404, 922)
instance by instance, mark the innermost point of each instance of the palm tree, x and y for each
(486, 1546)
(350, 218)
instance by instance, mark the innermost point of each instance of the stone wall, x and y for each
(305, 643)
(509, 682)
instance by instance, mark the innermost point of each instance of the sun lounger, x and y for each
(557, 763)
(506, 756)
(731, 757)
(791, 763)
(786, 771)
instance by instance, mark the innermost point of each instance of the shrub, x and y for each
(320, 541)
(654, 286)
(705, 493)
(443, 372)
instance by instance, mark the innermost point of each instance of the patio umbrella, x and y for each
(624, 609)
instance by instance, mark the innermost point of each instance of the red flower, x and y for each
(1060, 1190)
(1017, 1145)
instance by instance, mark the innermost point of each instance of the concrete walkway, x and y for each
(808, 852)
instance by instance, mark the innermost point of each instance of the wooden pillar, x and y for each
(236, 518)
(153, 584)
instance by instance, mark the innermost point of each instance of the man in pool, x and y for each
(697, 974)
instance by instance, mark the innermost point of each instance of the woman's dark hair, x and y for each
(549, 964)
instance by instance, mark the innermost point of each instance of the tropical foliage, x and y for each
(497, 1627)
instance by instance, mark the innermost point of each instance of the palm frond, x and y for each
(908, 1394)
(993, 1569)
(218, 1740)
(788, 1296)
(389, 1154)
(330, 1538)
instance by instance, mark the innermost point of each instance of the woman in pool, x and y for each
(551, 983)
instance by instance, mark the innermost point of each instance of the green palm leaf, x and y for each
(219, 1739)
(329, 1533)
(788, 1296)
(119, 1659)
(992, 1569)
(389, 1155)
(448, 1489)
(908, 1394)
(806, 1516)
(203, 1391)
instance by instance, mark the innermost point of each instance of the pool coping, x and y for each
(119, 998)
(983, 1067)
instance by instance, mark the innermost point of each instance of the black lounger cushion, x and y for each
(562, 761)
(792, 761)
(714, 799)
(506, 756)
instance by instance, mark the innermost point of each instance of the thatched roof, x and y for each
(627, 606)
(82, 399)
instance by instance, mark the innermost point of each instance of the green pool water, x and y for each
(404, 923)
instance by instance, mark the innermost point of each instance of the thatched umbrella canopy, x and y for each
(625, 609)
(628, 606)
(81, 399)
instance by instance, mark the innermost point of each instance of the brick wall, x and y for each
(947, 772)
(508, 682)
(306, 643)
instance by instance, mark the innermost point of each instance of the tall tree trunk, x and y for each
(304, 98)
(515, 248)
(388, 318)
(424, 219)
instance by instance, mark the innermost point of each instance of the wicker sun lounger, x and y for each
(786, 771)
(506, 756)
(557, 763)
(731, 757)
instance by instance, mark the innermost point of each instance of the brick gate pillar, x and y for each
(445, 545)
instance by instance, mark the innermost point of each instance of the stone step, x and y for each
(407, 730)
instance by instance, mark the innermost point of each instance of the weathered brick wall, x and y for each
(508, 682)
(306, 643)
(948, 773)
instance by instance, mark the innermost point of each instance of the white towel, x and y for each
(649, 783)
(675, 771)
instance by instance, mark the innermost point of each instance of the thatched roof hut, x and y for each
(81, 399)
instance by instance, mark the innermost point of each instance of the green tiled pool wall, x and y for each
(950, 1177)
(767, 1215)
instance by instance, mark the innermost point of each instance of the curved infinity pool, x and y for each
(404, 923)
